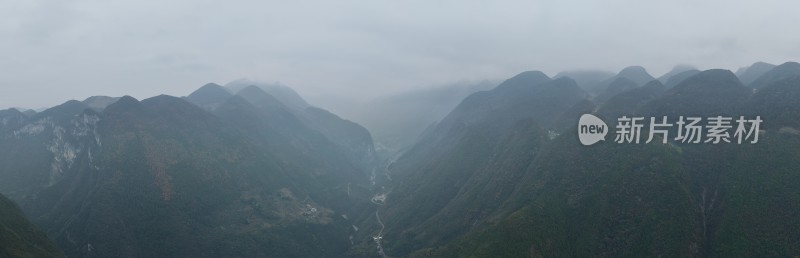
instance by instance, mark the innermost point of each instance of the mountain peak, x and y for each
(566, 82)
(678, 69)
(11, 112)
(163, 98)
(211, 87)
(750, 73)
(587, 79)
(716, 76)
(524, 79)
(636, 74)
(779, 73)
(284, 94)
(123, 104)
(617, 86)
(789, 65)
(757, 65)
(252, 89)
(98, 103)
(127, 99)
(633, 70)
(260, 98)
(175, 108)
(209, 94)
(762, 65)
(679, 77)
(67, 109)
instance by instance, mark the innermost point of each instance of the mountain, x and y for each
(778, 104)
(750, 73)
(19, 237)
(629, 102)
(710, 92)
(469, 190)
(173, 179)
(220, 174)
(586, 78)
(779, 73)
(678, 69)
(636, 74)
(352, 138)
(397, 120)
(678, 78)
(285, 94)
(746, 190)
(11, 118)
(27, 112)
(98, 103)
(615, 87)
(37, 150)
(457, 174)
(209, 96)
(571, 200)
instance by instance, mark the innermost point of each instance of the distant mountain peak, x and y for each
(282, 93)
(756, 65)
(636, 74)
(634, 69)
(792, 65)
(524, 79)
(617, 86)
(251, 89)
(258, 97)
(209, 96)
(725, 77)
(69, 108)
(127, 99)
(679, 77)
(677, 69)
(751, 73)
(212, 87)
(212, 84)
(566, 82)
(11, 111)
(124, 104)
(98, 103)
(710, 92)
(779, 73)
(161, 98)
(589, 80)
(762, 64)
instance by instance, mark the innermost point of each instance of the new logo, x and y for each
(591, 129)
(716, 129)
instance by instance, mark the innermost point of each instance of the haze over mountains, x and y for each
(251, 169)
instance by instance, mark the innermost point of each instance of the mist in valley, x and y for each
(398, 129)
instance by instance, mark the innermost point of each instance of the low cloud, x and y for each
(57, 50)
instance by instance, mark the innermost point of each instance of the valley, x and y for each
(227, 173)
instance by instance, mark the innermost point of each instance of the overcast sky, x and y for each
(53, 51)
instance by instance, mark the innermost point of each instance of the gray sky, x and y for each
(52, 51)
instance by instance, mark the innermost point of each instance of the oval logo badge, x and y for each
(591, 129)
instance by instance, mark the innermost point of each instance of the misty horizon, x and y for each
(369, 129)
(316, 100)
(54, 52)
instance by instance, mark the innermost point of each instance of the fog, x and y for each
(52, 51)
